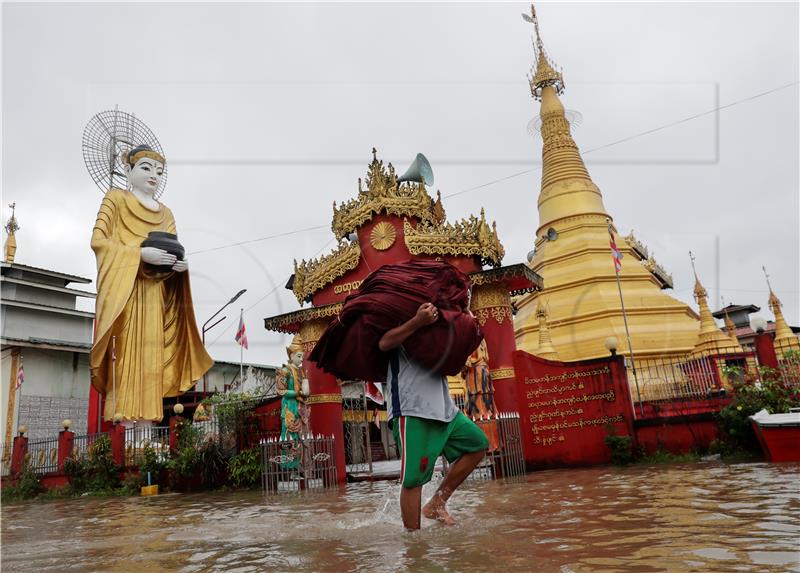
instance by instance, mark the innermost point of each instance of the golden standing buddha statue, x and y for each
(146, 343)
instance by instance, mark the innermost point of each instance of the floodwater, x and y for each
(690, 517)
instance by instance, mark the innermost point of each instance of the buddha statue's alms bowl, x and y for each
(166, 241)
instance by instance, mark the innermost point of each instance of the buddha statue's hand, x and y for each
(180, 266)
(159, 257)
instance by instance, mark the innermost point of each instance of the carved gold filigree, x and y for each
(311, 276)
(519, 275)
(311, 331)
(468, 237)
(289, 323)
(382, 236)
(384, 195)
(490, 296)
(500, 314)
(481, 315)
(638, 247)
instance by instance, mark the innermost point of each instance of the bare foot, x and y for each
(437, 511)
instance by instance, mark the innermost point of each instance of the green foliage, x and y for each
(96, 472)
(662, 456)
(213, 464)
(245, 468)
(27, 486)
(621, 449)
(765, 389)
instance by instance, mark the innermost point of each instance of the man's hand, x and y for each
(427, 314)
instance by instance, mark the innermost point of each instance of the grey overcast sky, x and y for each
(267, 114)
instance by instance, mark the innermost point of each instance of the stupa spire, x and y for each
(11, 240)
(730, 328)
(546, 348)
(561, 160)
(710, 339)
(785, 339)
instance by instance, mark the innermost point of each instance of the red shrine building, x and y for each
(391, 222)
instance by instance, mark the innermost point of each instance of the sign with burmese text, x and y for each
(567, 409)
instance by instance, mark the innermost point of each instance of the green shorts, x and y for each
(420, 442)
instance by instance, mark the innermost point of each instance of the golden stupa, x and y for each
(710, 339)
(573, 255)
(785, 339)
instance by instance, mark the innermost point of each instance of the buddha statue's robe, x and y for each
(158, 348)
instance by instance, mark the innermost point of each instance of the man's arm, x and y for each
(426, 314)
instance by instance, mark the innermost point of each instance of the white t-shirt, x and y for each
(412, 390)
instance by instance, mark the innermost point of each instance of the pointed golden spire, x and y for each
(710, 339)
(546, 348)
(11, 241)
(730, 328)
(561, 160)
(785, 339)
(545, 74)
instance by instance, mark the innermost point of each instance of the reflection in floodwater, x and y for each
(701, 517)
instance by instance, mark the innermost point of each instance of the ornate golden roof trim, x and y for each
(520, 278)
(290, 322)
(468, 237)
(385, 195)
(311, 276)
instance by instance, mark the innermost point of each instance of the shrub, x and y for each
(27, 486)
(752, 392)
(621, 449)
(96, 472)
(245, 468)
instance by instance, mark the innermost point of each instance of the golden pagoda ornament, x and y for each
(785, 340)
(710, 339)
(573, 256)
(11, 240)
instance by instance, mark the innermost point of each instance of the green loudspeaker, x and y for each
(419, 171)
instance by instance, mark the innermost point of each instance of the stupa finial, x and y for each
(11, 229)
(545, 73)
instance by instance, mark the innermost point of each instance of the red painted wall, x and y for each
(566, 409)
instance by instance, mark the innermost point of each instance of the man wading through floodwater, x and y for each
(426, 424)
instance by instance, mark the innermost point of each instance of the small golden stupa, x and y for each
(573, 255)
(785, 339)
(710, 339)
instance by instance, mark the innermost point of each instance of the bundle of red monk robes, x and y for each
(387, 298)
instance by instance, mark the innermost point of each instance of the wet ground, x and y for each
(711, 516)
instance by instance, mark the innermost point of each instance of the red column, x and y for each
(325, 400)
(117, 435)
(18, 455)
(765, 350)
(66, 441)
(491, 305)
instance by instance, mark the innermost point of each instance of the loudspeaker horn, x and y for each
(419, 171)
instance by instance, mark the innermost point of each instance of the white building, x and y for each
(42, 329)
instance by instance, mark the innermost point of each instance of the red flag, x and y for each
(615, 252)
(376, 419)
(374, 392)
(241, 334)
(20, 377)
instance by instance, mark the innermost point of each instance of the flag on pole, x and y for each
(241, 334)
(20, 376)
(374, 392)
(615, 252)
